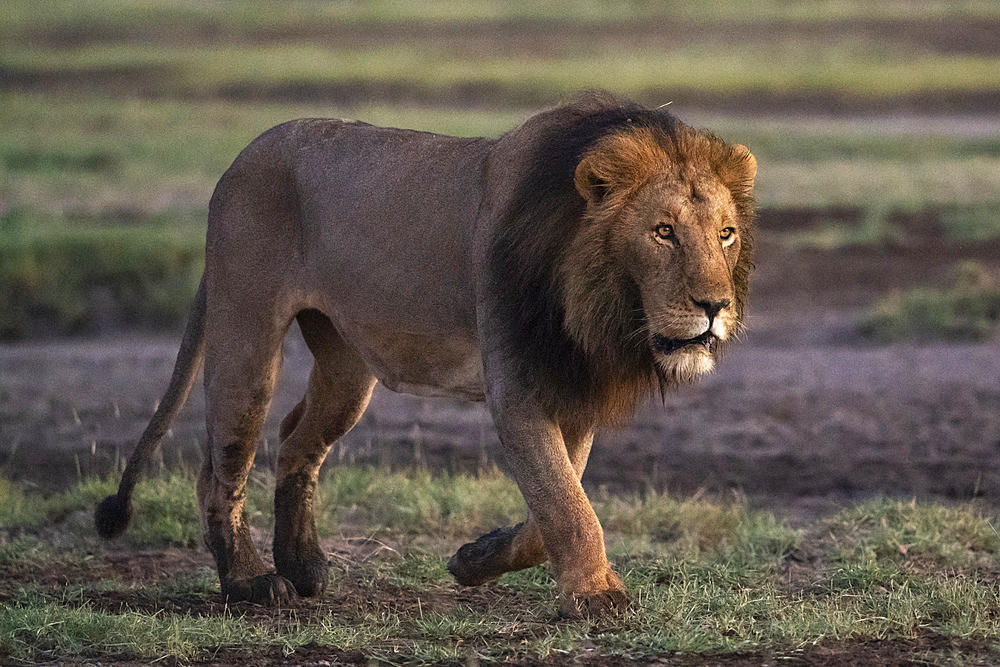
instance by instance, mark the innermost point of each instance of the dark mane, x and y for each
(528, 246)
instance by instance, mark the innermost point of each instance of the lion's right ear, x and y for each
(740, 170)
(590, 186)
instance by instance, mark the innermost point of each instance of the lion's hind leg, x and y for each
(340, 386)
(515, 548)
(239, 380)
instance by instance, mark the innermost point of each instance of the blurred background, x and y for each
(870, 365)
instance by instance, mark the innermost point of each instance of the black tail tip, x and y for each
(112, 516)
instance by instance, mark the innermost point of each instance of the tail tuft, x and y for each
(112, 516)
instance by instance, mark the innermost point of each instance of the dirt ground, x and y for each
(799, 417)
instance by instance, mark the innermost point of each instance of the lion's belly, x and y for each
(423, 365)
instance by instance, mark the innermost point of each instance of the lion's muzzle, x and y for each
(664, 345)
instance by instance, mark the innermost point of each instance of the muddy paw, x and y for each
(610, 602)
(266, 589)
(477, 562)
(308, 575)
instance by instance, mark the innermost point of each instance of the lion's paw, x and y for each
(477, 562)
(265, 589)
(574, 606)
(308, 575)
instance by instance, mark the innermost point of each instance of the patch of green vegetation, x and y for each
(79, 279)
(23, 548)
(713, 578)
(880, 184)
(417, 502)
(696, 525)
(33, 632)
(970, 224)
(966, 310)
(166, 510)
(934, 534)
(420, 572)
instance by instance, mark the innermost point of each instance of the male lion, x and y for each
(561, 273)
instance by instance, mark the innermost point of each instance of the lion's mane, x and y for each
(601, 364)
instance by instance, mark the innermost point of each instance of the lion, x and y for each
(561, 272)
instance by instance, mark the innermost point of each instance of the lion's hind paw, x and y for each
(265, 589)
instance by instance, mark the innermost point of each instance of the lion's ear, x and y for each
(740, 170)
(590, 186)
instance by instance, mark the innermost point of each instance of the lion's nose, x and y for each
(711, 308)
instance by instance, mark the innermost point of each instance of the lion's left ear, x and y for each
(740, 170)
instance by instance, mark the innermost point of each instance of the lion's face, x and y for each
(679, 242)
(670, 218)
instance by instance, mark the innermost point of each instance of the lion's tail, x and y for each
(115, 511)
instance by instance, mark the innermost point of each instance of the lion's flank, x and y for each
(574, 320)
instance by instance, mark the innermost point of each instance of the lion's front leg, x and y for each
(570, 532)
(509, 549)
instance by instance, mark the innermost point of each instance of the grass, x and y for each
(214, 70)
(108, 15)
(72, 279)
(707, 577)
(967, 310)
(123, 114)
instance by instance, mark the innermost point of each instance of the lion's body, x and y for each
(388, 258)
(520, 270)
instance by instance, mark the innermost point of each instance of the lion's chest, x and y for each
(424, 365)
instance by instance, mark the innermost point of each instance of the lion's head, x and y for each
(669, 214)
(630, 250)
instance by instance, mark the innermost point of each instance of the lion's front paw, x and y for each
(266, 589)
(609, 599)
(574, 606)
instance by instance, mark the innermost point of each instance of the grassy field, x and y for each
(708, 577)
(119, 115)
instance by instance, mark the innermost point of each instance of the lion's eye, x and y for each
(728, 235)
(664, 232)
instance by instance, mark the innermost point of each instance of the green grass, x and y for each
(139, 130)
(845, 69)
(166, 510)
(249, 14)
(966, 310)
(706, 578)
(71, 279)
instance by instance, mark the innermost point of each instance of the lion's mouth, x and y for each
(665, 345)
